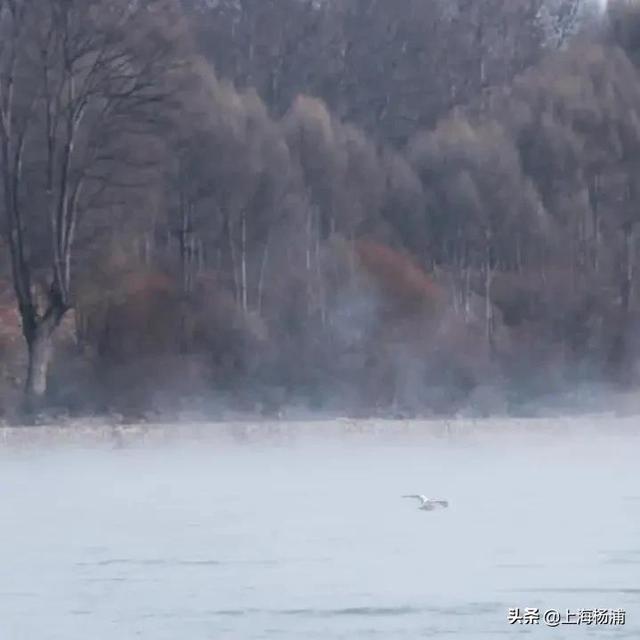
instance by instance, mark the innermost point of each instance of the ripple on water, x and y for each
(472, 609)
(170, 562)
(323, 613)
(596, 590)
(622, 557)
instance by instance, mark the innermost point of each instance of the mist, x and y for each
(307, 535)
(319, 319)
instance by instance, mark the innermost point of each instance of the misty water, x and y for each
(309, 537)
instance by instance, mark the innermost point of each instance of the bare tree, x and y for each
(77, 78)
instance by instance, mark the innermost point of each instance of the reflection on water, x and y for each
(312, 540)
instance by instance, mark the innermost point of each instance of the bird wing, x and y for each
(422, 499)
(442, 503)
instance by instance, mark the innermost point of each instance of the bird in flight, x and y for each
(429, 504)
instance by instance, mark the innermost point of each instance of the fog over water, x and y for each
(307, 537)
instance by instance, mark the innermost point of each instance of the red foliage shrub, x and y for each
(406, 287)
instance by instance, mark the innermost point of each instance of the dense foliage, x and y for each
(350, 205)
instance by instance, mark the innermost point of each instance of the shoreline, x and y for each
(96, 432)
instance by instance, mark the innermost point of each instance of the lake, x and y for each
(256, 537)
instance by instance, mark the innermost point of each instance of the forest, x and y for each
(356, 207)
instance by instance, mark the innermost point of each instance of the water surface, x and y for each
(310, 538)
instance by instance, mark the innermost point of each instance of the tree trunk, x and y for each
(488, 303)
(321, 293)
(627, 275)
(519, 255)
(467, 294)
(263, 269)
(39, 339)
(489, 291)
(243, 258)
(234, 261)
(593, 195)
(619, 353)
(40, 349)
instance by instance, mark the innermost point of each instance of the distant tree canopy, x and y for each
(390, 67)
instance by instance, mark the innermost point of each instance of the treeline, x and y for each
(350, 205)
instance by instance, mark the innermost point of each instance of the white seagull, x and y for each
(429, 504)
